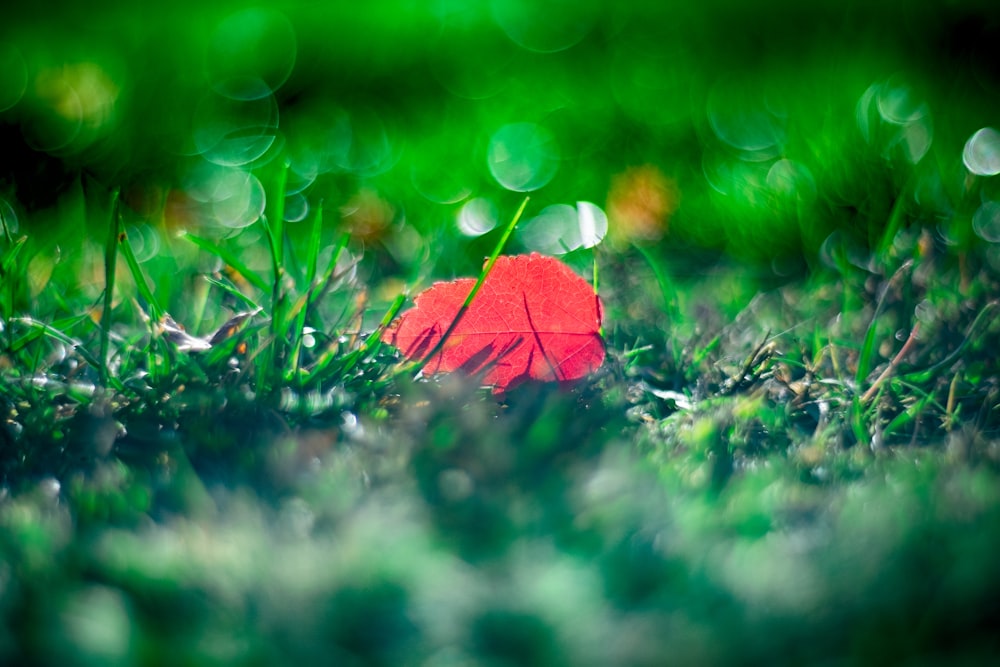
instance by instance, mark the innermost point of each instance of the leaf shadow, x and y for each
(478, 361)
(424, 342)
(554, 367)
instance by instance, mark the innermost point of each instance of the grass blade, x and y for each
(10, 256)
(139, 278)
(41, 329)
(110, 265)
(7, 262)
(309, 286)
(232, 291)
(274, 229)
(329, 275)
(926, 374)
(868, 346)
(229, 258)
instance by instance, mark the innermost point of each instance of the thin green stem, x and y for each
(110, 263)
(868, 346)
(229, 258)
(274, 228)
(308, 286)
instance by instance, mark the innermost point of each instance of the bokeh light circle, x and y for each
(593, 223)
(740, 118)
(986, 221)
(792, 180)
(523, 157)
(915, 139)
(370, 149)
(732, 177)
(898, 104)
(476, 217)
(245, 203)
(892, 117)
(439, 173)
(554, 231)
(232, 132)
(296, 207)
(560, 228)
(863, 112)
(144, 241)
(319, 141)
(58, 120)
(301, 174)
(253, 45)
(982, 152)
(230, 197)
(545, 26)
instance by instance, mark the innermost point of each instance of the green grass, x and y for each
(790, 455)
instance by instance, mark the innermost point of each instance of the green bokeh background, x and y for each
(428, 523)
(404, 98)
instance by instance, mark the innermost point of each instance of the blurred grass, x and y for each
(208, 457)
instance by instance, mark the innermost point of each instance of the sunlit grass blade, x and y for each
(312, 252)
(297, 315)
(153, 366)
(301, 308)
(232, 291)
(230, 259)
(896, 218)
(6, 228)
(9, 256)
(274, 221)
(330, 275)
(270, 356)
(139, 277)
(9, 276)
(110, 271)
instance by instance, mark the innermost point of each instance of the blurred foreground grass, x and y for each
(790, 455)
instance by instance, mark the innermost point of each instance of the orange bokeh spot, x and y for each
(367, 215)
(640, 204)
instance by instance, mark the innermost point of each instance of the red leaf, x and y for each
(532, 318)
